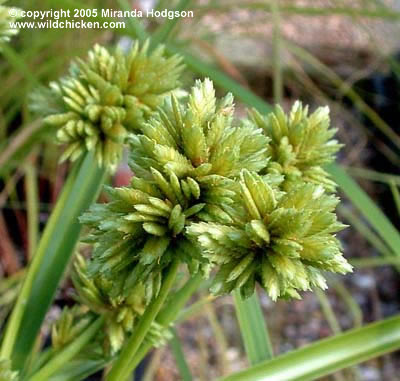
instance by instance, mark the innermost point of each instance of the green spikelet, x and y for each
(300, 144)
(106, 97)
(6, 373)
(121, 310)
(69, 325)
(284, 242)
(6, 32)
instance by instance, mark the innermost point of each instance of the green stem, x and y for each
(169, 313)
(162, 33)
(253, 328)
(68, 352)
(276, 53)
(32, 201)
(180, 359)
(123, 366)
(15, 319)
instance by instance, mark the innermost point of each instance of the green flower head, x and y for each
(194, 147)
(185, 160)
(7, 16)
(121, 312)
(281, 240)
(300, 144)
(106, 97)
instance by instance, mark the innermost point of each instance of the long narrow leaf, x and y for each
(368, 208)
(180, 359)
(327, 356)
(55, 249)
(162, 33)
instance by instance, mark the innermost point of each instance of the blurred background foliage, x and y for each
(335, 52)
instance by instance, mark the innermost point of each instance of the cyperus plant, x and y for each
(198, 198)
(94, 109)
(247, 199)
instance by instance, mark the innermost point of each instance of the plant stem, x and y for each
(169, 313)
(123, 366)
(253, 328)
(276, 53)
(180, 359)
(32, 200)
(68, 352)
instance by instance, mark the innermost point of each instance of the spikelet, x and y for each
(120, 310)
(71, 323)
(300, 144)
(106, 97)
(284, 242)
(7, 15)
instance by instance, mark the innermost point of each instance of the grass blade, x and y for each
(327, 356)
(368, 208)
(162, 33)
(54, 251)
(252, 328)
(180, 360)
(363, 228)
(221, 79)
(69, 352)
(396, 196)
(32, 202)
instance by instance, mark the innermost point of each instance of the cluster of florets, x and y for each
(249, 199)
(105, 98)
(186, 160)
(282, 240)
(121, 311)
(301, 144)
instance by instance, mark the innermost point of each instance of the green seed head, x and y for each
(283, 242)
(106, 97)
(300, 144)
(121, 310)
(71, 323)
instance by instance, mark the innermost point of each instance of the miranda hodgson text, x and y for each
(149, 13)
